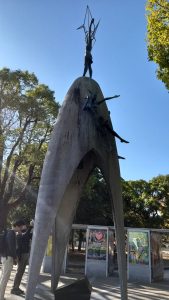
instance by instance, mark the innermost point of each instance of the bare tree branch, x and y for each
(24, 190)
(9, 190)
(6, 173)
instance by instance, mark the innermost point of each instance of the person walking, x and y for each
(9, 257)
(23, 250)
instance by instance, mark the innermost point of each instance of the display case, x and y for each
(97, 251)
(144, 255)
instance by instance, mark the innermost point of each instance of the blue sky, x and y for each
(40, 36)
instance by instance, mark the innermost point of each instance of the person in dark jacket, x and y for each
(10, 257)
(23, 250)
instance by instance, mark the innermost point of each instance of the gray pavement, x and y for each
(107, 288)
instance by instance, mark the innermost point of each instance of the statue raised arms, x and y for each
(88, 56)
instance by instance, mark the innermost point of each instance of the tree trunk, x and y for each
(72, 239)
(3, 217)
(80, 240)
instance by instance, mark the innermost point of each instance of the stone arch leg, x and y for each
(65, 215)
(110, 169)
(63, 212)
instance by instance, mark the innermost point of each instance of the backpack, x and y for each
(3, 244)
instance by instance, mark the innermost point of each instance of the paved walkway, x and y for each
(107, 288)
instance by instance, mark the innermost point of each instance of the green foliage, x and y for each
(95, 206)
(27, 114)
(158, 37)
(134, 212)
(24, 211)
(146, 204)
(160, 194)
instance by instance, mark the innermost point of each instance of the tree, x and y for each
(160, 193)
(26, 208)
(95, 206)
(158, 37)
(27, 114)
(146, 204)
(134, 195)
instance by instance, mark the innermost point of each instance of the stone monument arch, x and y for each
(81, 140)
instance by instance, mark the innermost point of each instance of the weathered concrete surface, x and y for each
(78, 144)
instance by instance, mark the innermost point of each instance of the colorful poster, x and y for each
(156, 256)
(97, 244)
(138, 247)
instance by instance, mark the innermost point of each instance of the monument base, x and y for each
(79, 290)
